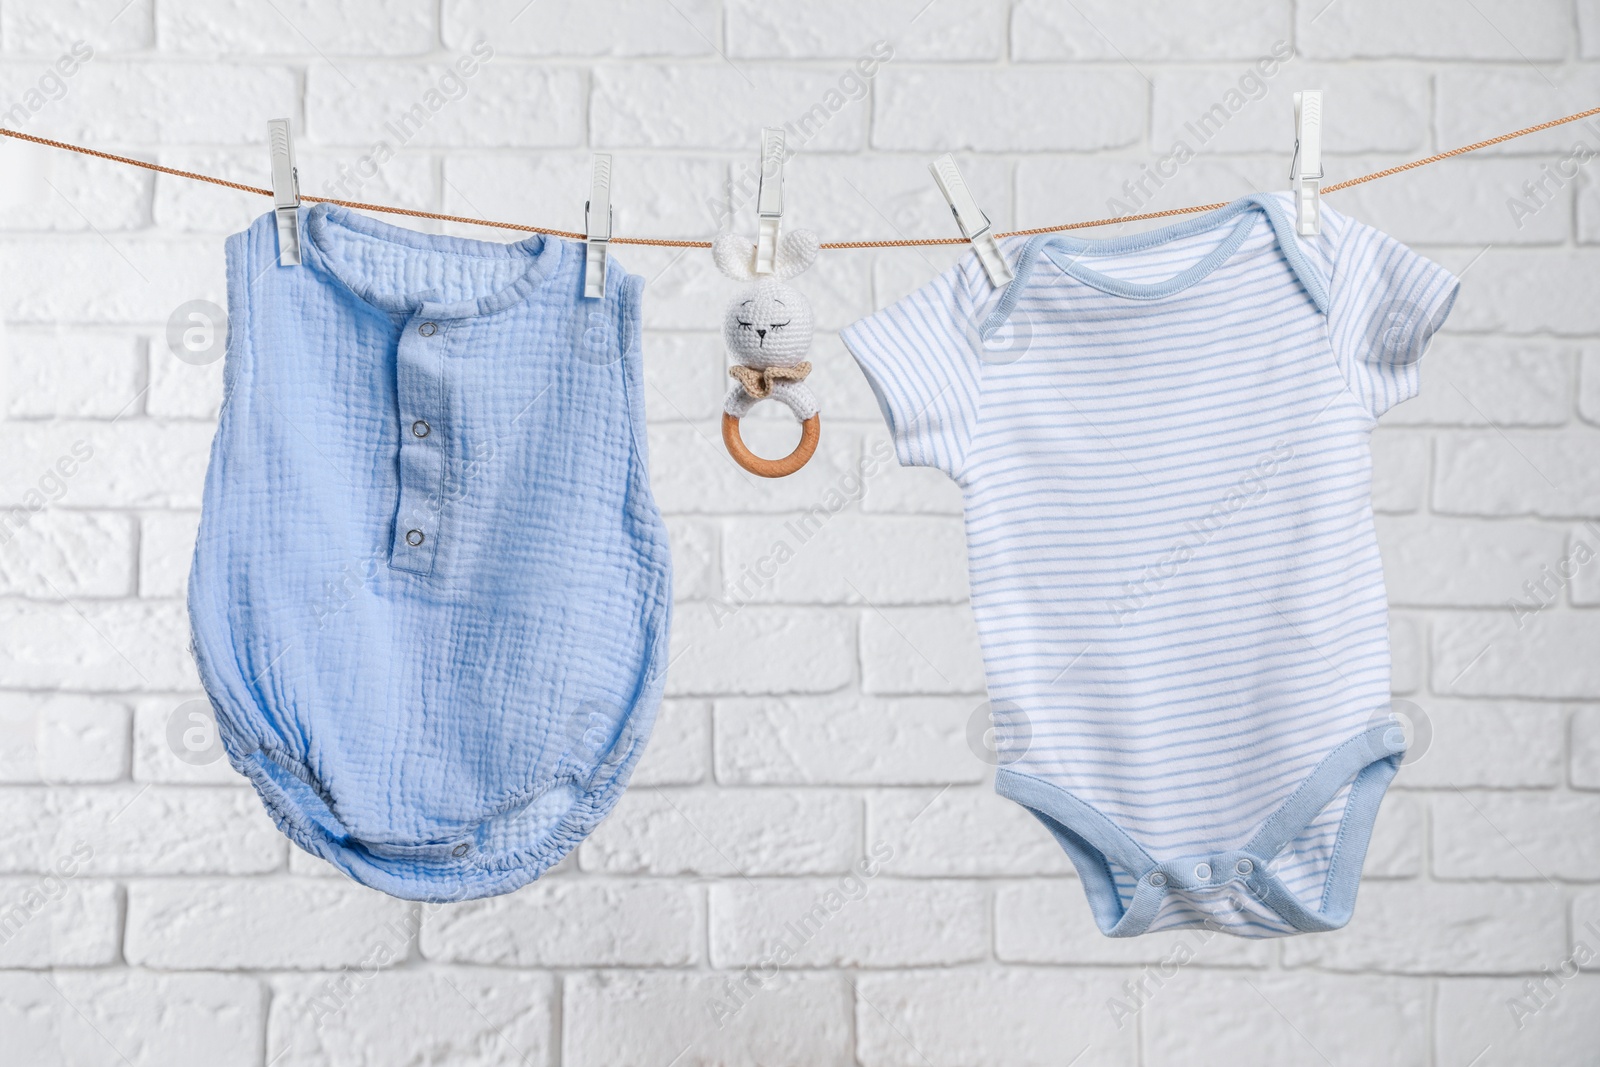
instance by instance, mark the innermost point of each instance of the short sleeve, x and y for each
(1385, 304)
(924, 370)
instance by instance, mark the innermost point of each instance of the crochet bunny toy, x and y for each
(768, 330)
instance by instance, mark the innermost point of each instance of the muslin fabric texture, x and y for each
(431, 591)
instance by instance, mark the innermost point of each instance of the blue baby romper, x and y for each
(1163, 444)
(431, 590)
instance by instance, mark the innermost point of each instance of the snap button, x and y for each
(461, 849)
(427, 329)
(1203, 871)
(1244, 866)
(413, 538)
(420, 428)
(1158, 879)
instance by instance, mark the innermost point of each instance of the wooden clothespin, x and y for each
(1305, 170)
(975, 225)
(769, 199)
(597, 228)
(285, 192)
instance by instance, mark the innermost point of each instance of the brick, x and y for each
(60, 737)
(264, 924)
(1501, 29)
(1466, 203)
(964, 30)
(726, 833)
(696, 558)
(621, 1019)
(1047, 921)
(120, 280)
(1518, 472)
(958, 831)
(923, 650)
(436, 106)
(1491, 382)
(55, 28)
(679, 752)
(847, 559)
(70, 374)
(166, 548)
(643, 105)
(1435, 560)
(671, 189)
(846, 740)
(495, 1019)
(1439, 928)
(1399, 839)
(58, 921)
(1525, 290)
(1589, 387)
(165, 729)
(1104, 30)
(970, 110)
(1237, 108)
(684, 377)
(752, 650)
(1407, 656)
(1052, 190)
(572, 922)
(1500, 1021)
(909, 490)
(599, 28)
(850, 921)
(1288, 1018)
(1481, 97)
(1513, 836)
(1493, 745)
(1586, 748)
(143, 830)
(289, 26)
(134, 463)
(1576, 567)
(118, 1018)
(1586, 922)
(1550, 656)
(100, 645)
(182, 390)
(68, 554)
(1400, 463)
(949, 1018)
(354, 172)
(180, 103)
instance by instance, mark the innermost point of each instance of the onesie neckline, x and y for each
(1268, 204)
(542, 252)
(1070, 260)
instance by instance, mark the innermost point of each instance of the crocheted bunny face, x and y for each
(769, 323)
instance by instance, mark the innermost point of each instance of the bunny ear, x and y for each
(797, 250)
(735, 256)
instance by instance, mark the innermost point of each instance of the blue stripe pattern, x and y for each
(1163, 443)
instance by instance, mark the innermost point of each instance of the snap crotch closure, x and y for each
(432, 853)
(1204, 872)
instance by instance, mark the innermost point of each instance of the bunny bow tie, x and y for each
(758, 381)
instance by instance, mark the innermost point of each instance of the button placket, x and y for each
(419, 389)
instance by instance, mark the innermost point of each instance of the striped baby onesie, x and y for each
(1163, 446)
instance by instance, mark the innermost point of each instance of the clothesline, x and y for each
(670, 243)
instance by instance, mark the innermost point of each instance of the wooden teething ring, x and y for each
(810, 434)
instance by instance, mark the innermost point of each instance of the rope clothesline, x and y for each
(669, 243)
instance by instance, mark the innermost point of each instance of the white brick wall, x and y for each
(821, 715)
